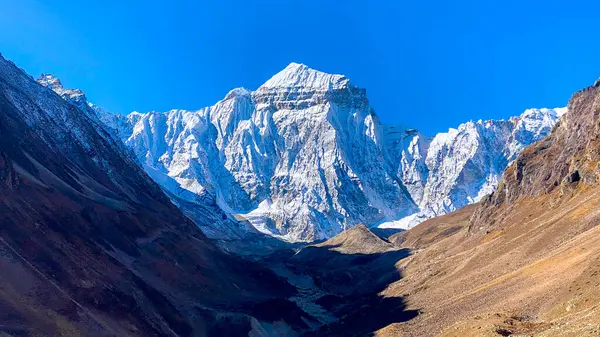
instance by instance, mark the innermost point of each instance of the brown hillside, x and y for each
(527, 262)
(357, 240)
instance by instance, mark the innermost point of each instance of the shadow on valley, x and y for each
(385, 233)
(344, 280)
(364, 316)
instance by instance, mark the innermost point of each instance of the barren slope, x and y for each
(527, 262)
(90, 246)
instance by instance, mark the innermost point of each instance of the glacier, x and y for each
(304, 157)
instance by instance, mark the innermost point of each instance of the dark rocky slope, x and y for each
(89, 245)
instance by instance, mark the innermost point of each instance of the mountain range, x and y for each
(305, 156)
(105, 237)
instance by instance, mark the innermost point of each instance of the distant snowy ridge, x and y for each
(304, 157)
(463, 165)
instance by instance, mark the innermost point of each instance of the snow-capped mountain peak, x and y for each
(237, 92)
(52, 82)
(300, 76)
(304, 157)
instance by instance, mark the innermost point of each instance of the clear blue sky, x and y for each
(427, 64)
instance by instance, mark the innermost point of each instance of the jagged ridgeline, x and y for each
(304, 157)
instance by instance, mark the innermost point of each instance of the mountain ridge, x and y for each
(93, 245)
(305, 156)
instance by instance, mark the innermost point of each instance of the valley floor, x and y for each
(339, 282)
(534, 270)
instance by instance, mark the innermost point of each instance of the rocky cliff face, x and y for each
(304, 157)
(567, 157)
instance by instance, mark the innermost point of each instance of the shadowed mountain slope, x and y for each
(90, 245)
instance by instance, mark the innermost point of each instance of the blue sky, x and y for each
(427, 64)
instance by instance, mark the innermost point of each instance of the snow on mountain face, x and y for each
(304, 157)
(113, 128)
(93, 112)
(298, 77)
(72, 95)
(465, 164)
(289, 157)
